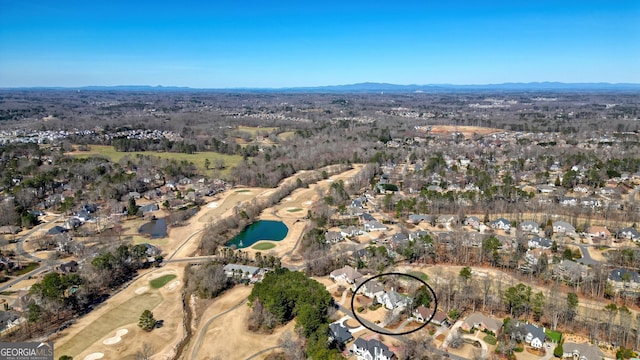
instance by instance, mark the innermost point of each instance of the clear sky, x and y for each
(268, 43)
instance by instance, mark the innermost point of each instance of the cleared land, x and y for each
(198, 159)
(467, 131)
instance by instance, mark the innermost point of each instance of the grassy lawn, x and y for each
(263, 246)
(490, 339)
(286, 135)
(420, 275)
(255, 130)
(198, 159)
(29, 267)
(127, 313)
(157, 283)
(294, 210)
(555, 336)
(243, 191)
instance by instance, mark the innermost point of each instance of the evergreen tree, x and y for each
(147, 321)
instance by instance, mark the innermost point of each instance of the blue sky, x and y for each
(214, 44)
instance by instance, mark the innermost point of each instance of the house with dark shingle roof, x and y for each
(339, 333)
(501, 223)
(371, 350)
(624, 280)
(529, 226)
(531, 334)
(628, 233)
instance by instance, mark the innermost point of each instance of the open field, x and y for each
(286, 135)
(197, 159)
(127, 313)
(467, 131)
(256, 130)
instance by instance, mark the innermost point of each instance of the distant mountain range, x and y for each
(372, 87)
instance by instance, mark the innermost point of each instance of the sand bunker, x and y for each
(94, 356)
(213, 205)
(173, 285)
(307, 203)
(288, 199)
(115, 339)
(141, 290)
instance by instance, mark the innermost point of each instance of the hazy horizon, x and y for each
(306, 44)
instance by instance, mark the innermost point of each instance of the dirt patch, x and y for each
(466, 131)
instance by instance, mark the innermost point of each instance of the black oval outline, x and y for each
(435, 299)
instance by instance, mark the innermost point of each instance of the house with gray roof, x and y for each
(583, 351)
(241, 271)
(339, 333)
(539, 243)
(370, 288)
(417, 218)
(531, 334)
(500, 223)
(624, 280)
(563, 227)
(628, 233)
(393, 300)
(371, 350)
(482, 322)
(529, 226)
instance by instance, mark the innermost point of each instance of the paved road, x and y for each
(586, 256)
(263, 351)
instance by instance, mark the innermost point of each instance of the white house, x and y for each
(371, 350)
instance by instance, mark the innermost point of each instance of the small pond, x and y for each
(260, 230)
(155, 228)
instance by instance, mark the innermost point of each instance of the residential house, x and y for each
(339, 333)
(562, 227)
(333, 236)
(590, 203)
(446, 219)
(71, 223)
(501, 223)
(241, 271)
(347, 273)
(481, 322)
(473, 221)
(392, 300)
(570, 270)
(598, 232)
(22, 301)
(584, 351)
(82, 215)
(423, 314)
(540, 243)
(628, 233)
(417, 218)
(530, 226)
(399, 239)
(624, 280)
(149, 208)
(531, 334)
(365, 217)
(152, 250)
(370, 288)
(350, 231)
(568, 201)
(371, 350)
(374, 226)
(583, 189)
(69, 267)
(416, 235)
(9, 229)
